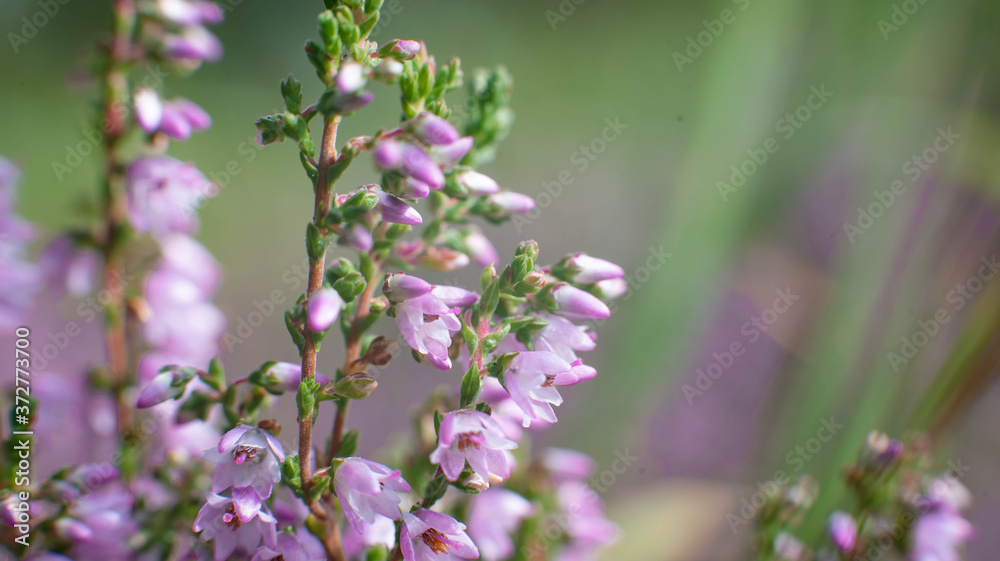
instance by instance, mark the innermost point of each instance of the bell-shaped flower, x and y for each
(433, 129)
(476, 182)
(249, 461)
(427, 325)
(218, 520)
(531, 381)
(431, 536)
(190, 12)
(400, 286)
(563, 338)
(495, 515)
(584, 269)
(164, 193)
(368, 491)
(472, 436)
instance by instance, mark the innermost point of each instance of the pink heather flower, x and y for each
(938, 536)
(414, 189)
(454, 297)
(468, 435)
(509, 202)
(148, 109)
(505, 412)
(290, 547)
(568, 465)
(164, 193)
(574, 303)
(586, 269)
(389, 69)
(947, 493)
(406, 49)
(194, 43)
(182, 117)
(431, 536)
(480, 249)
(185, 256)
(169, 384)
(562, 338)
(368, 491)
(584, 512)
(433, 129)
(612, 289)
(102, 523)
(494, 516)
(531, 381)
(394, 210)
(788, 547)
(323, 308)
(447, 155)
(249, 461)
(357, 237)
(843, 530)
(185, 12)
(477, 183)
(218, 520)
(400, 286)
(69, 268)
(446, 259)
(417, 164)
(380, 532)
(427, 325)
(351, 77)
(282, 377)
(388, 154)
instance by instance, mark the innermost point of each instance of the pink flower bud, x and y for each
(433, 129)
(400, 286)
(447, 155)
(477, 183)
(388, 154)
(323, 309)
(510, 202)
(843, 530)
(148, 110)
(351, 77)
(406, 49)
(574, 303)
(418, 164)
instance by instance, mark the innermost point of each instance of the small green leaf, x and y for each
(471, 385)
(349, 443)
(435, 490)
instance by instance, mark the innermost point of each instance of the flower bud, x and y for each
(578, 304)
(398, 287)
(509, 202)
(433, 129)
(73, 530)
(477, 183)
(443, 259)
(323, 308)
(396, 211)
(380, 351)
(843, 530)
(612, 288)
(480, 249)
(419, 165)
(584, 269)
(148, 109)
(170, 383)
(355, 386)
(787, 547)
(406, 49)
(447, 155)
(356, 236)
(278, 377)
(351, 77)
(388, 70)
(388, 154)
(414, 189)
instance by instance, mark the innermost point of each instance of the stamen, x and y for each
(466, 440)
(230, 517)
(431, 317)
(550, 380)
(435, 541)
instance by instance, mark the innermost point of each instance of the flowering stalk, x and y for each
(116, 94)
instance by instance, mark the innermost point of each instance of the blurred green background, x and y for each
(695, 87)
